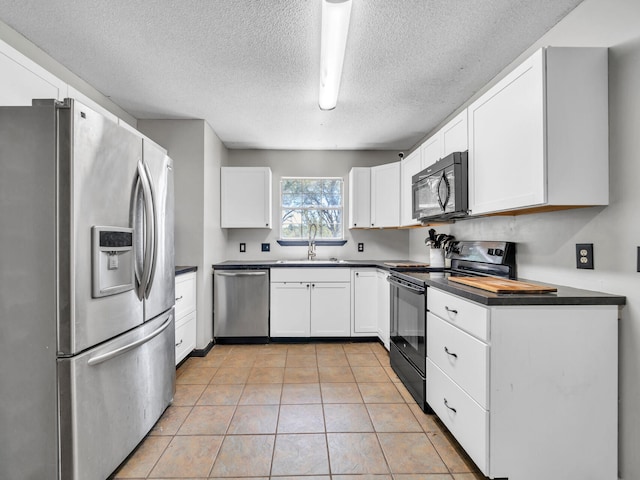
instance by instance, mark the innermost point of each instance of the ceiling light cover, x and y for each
(335, 27)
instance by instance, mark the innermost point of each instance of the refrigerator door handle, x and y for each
(137, 223)
(146, 230)
(154, 232)
(119, 351)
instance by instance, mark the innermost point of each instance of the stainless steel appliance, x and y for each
(409, 305)
(241, 306)
(440, 191)
(87, 291)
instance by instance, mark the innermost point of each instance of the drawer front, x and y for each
(185, 294)
(464, 418)
(328, 274)
(186, 337)
(469, 316)
(461, 356)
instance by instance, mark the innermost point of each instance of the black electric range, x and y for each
(409, 304)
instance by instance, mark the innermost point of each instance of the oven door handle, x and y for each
(413, 289)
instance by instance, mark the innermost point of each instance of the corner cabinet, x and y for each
(371, 304)
(186, 317)
(538, 139)
(385, 195)
(246, 199)
(360, 197)
(310, 302)
(409, 167)
(508, 381)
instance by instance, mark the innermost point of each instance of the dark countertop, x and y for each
(564, 295)
(255, 264)
(180, 269)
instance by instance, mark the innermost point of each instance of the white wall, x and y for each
(546, 242)
(378, 244)
(197, 154)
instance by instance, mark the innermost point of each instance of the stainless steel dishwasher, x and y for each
(241, 306)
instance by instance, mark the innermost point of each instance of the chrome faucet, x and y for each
(311, 252)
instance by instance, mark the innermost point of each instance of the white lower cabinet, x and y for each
(310, 302)
(384, 307)
(186, 317)
(522, 387)
(290, 309)
(365, 302)
(464, 418)
(371, 304)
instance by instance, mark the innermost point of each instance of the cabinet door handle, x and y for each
(179, 298)
(179, 343)
(454, 355)
(451, 310)
(446, 404)
(307, 285)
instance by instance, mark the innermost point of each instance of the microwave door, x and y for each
(426, 197)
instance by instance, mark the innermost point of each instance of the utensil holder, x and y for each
(436, 256)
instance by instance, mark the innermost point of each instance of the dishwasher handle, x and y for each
(241, 274)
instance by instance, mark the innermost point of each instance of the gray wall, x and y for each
(197, 154)
(378, 244)
(546, 242)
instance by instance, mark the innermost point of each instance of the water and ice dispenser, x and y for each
(113, 268)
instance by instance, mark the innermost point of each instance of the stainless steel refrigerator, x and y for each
(86, 291)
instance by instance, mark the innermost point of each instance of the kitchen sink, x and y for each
(330, 261)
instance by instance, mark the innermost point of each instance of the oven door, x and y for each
(408, 313)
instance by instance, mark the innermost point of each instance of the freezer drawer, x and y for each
(112, 395)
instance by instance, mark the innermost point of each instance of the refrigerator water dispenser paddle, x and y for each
(112, 260)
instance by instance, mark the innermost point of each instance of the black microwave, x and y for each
(440, 191)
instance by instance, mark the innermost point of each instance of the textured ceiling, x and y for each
(250, 67)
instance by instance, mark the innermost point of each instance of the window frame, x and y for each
(319, 241)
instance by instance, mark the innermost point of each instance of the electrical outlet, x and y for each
(361, 247)
(243, 247)
(584, 255)
(266, 247)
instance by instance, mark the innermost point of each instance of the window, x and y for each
(306, 201)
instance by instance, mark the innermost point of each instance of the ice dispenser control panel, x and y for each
(112, 263)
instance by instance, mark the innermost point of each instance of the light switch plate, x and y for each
(243, 247)
(266, 247)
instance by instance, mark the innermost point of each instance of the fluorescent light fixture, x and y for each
(335, 27)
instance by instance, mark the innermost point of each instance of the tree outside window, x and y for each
(306, 201)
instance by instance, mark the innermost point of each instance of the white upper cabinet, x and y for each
(22, 80)
(431, 151)
(453, 137)
(245, 197)
(385, 195)
(538, 139)
(360, 197)
(408, 168)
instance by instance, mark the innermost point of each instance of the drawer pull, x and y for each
(179, 298)
(451, 310)
(454, 355)
(446, 404)
(179, 343)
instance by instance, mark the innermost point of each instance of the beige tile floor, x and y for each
(283, 411)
